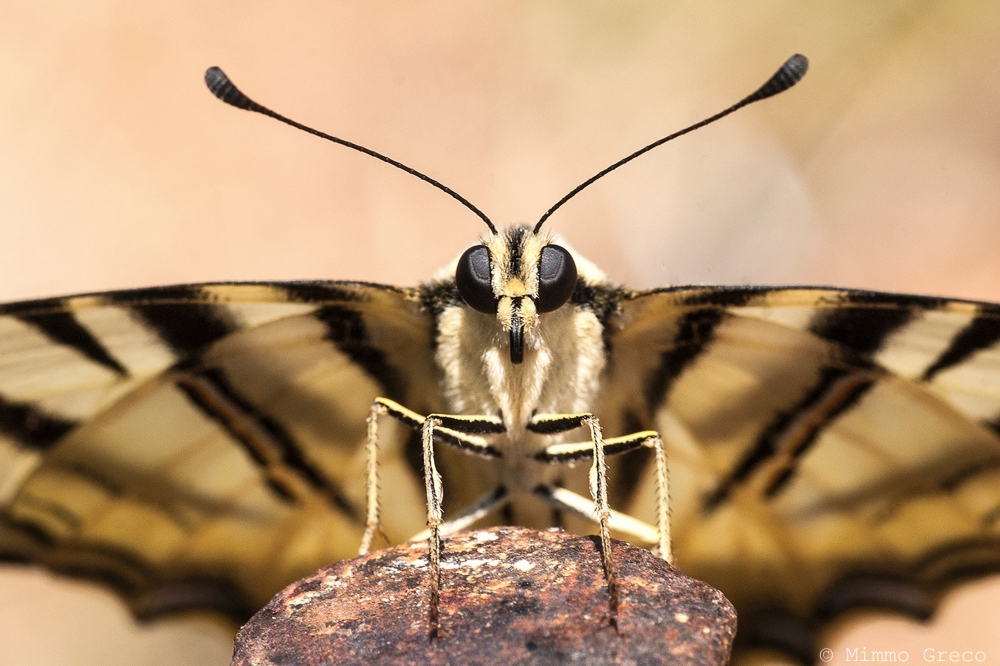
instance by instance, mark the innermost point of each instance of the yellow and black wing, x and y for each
(201, 446)
(829, 449)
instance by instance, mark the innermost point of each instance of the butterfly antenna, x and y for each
(786, 77)
(223, 88)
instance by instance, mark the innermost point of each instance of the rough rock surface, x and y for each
(509, 596)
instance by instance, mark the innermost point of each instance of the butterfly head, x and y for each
(517, 275)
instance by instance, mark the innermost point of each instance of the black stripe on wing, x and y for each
(179, 316)
(720, 297)
(706, 309)
(872, 591)
(145, 492)
(980, 333)
(149, 492)
(115, 567)
(63, 328)
(859, 332)
(31, 426)
(148, 594)
(781, 631)
(346, 329)
(57, 512)
(836, 391)
(266, 441)
(695, 332)
(195, 592)
(325, 292)
(30, 537)
(914, 590)
(861, 329)
(694, 335)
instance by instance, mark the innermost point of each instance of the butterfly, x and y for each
(201, 446)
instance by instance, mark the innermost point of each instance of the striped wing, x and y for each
(828, 449)
(202, 446)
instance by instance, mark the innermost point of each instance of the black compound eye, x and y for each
(473, 279)
(556, 278)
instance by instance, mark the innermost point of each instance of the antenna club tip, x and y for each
(797, 66)
(215, 79)
(790, 73)
(223, 88)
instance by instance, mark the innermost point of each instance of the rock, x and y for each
(508, 596)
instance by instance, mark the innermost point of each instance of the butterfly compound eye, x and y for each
(556, 278)
(474, 281)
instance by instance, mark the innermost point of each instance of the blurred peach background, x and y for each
(118, 169)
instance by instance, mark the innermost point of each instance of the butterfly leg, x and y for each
(595, 449)
(599, 490)
(470, 514)
(598, 510)
(373, 521)
(435, 495)
(578, 451)
(461, 431)
(584, 507)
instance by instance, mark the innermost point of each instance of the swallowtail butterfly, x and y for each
(842, 445)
